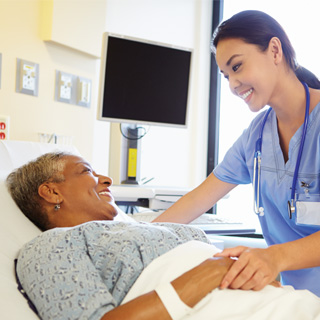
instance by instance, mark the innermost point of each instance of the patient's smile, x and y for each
(105, 193)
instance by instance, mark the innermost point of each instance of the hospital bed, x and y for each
(16, 230)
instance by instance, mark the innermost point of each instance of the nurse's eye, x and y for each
(236, 67)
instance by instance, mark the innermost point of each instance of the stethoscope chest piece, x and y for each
(291, 209)
(261, 211)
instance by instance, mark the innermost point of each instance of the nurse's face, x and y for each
(251, 73)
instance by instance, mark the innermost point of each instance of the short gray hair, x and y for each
(23, 184)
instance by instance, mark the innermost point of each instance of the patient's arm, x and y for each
(192, 286)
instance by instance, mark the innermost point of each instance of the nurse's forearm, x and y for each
(299, 254)
(185, 209)
(197, 201)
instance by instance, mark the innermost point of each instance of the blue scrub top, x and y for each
(276, 182)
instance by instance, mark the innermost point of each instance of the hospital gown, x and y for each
(85, 271)
(276, 183)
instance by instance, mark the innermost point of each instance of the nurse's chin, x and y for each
(255, 108)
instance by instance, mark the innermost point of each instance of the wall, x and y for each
(172, 156)
(29, 115)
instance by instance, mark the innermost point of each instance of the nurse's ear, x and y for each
(275, 48)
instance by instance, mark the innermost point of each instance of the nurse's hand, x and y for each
(253, 269)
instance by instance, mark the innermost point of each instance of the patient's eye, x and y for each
(87, 169)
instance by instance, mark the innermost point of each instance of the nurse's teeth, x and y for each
(245, 95)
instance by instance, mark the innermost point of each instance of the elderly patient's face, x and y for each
(85, 195)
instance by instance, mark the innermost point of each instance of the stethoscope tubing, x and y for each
(303, 138)
(257, 159)
(257, 162)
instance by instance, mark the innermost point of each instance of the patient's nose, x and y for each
(105, 180)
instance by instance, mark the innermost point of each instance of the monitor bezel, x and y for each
(103, 63)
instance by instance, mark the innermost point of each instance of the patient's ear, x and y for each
(49, 192)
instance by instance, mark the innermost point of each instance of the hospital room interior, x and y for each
(53, 79)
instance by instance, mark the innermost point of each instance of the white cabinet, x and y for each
(78, 24)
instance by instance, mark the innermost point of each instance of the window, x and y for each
(299, 19)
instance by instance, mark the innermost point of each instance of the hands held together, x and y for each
(252, 270)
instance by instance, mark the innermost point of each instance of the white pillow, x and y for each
(122, 216)
(15, 228)
(15, 231)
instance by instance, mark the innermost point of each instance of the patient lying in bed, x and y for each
(87, 265)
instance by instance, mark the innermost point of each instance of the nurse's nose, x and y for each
(234, 83)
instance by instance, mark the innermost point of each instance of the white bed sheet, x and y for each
(269, 303)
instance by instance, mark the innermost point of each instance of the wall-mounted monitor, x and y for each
(144, 82)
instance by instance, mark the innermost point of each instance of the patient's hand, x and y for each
(196, 283)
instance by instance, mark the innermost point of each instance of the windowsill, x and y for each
(240, 240)
(256, 235)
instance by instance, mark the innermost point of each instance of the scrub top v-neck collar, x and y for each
(294, 144)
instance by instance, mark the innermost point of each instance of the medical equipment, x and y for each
(259, 210)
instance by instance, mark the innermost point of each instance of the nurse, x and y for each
(255, 55)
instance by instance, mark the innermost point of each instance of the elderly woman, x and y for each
(85, 263)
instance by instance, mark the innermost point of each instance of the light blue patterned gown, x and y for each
(85, 271)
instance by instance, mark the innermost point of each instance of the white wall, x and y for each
(173, 156)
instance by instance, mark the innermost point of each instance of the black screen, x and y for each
(145, 82)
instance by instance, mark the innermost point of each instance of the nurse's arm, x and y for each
(255, 268)
(300, 254)
(197, 201)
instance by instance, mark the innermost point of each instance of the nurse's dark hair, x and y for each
(257, 27)
(23, 184)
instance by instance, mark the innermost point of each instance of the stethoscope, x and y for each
(259, 210)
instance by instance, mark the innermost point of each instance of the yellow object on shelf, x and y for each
(132, 162)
